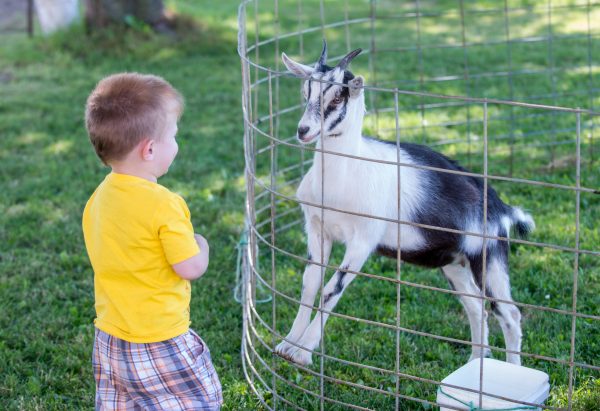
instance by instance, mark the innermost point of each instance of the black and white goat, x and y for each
(427, 197)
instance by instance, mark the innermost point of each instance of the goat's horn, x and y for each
(323, 59)
(348, 58)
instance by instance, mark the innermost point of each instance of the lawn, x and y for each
(48, 170)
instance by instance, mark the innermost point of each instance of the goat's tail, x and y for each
(522, 221)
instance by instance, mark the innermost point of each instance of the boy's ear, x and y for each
(355, 85)
(147, 147)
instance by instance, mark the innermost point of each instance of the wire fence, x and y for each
(508, 91)
(16, 16)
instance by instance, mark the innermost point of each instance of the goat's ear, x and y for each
(297, 69)
(356, 85)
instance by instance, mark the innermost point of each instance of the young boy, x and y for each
(142, 246)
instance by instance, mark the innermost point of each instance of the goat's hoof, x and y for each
(285, 349)
(280, 347)
(293, 353)
(302, 357)
(513, 359)
(487, 353)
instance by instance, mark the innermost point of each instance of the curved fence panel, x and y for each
(508, 90)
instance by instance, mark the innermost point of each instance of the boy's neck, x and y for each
(133, 171)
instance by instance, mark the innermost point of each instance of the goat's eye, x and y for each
(337, 100)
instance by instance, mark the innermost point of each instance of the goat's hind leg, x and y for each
(508, 315)
(311, 282)
(461, 279)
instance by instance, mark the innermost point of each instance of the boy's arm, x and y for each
(194, 267)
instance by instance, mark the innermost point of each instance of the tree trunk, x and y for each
(100, 13)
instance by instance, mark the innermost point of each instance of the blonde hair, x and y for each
(126, 108)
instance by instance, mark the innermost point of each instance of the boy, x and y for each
(142, 246)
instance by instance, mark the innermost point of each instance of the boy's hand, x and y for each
(195, 266)
(202, 243)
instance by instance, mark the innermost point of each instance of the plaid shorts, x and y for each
(175, 374)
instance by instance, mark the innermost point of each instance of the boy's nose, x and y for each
(302, 130)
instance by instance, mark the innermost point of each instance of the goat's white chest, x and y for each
(358, 197)
(354, 196)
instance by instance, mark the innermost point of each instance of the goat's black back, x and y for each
(450, 201)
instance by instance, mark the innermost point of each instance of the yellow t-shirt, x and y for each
(134, 231)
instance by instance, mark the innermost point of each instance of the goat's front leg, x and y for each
(356, 255)
(311, 282)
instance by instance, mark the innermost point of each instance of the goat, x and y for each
(428, 197)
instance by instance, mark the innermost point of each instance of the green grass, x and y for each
(48, 170)
(585, 397)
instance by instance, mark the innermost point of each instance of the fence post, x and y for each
(30, 17)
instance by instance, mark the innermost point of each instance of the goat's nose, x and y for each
(302, 131)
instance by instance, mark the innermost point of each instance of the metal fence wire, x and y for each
(16, 16)
(507, 88)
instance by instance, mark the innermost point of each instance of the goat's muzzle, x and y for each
(302, 132)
